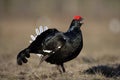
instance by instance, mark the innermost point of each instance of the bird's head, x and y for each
(76, 23)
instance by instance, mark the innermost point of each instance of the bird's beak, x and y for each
(81, 21)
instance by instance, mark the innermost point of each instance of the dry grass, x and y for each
(99, 57)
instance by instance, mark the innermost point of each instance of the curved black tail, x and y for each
(21, 57)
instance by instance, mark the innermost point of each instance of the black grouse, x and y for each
(55, 46)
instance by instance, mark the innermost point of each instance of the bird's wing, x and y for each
(53, 44)
(37, 43)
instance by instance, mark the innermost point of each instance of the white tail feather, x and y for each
(30, 41)
(41, 29)
(45, 28)
(38, 31)
(32, 37)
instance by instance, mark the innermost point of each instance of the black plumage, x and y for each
(55, 46)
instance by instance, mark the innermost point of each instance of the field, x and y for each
(99, 59)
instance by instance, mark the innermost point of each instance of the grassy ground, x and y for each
(99, 59)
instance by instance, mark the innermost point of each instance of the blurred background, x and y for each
(101, 29)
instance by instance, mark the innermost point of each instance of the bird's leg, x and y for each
(43, 59)
(47, 54)
(61, 68)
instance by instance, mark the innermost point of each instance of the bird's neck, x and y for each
(74, 28)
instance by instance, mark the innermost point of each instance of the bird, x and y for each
(55, 46)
